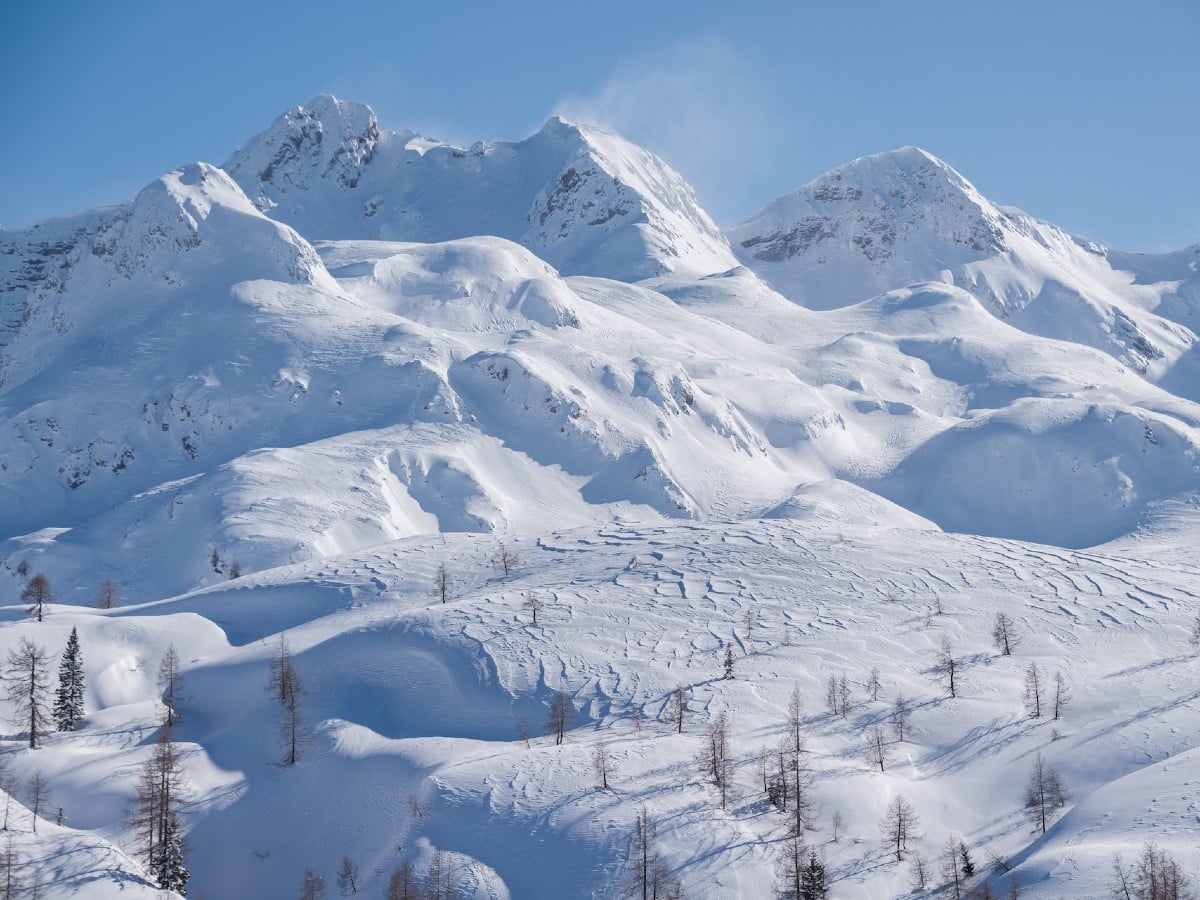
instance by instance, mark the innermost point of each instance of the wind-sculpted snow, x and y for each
(409, 698)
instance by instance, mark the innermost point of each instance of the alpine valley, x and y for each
(382, 401)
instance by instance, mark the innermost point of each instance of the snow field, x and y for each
(408, 697)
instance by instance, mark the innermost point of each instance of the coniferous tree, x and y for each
(1034, 690)
(533, 603)
(602, 763)
(716, 759)
(12, 887)
(8, 784)
(1044, 792)
(1154, 876)
(288, 690)
(562, 712)
(37, 797)
(901, 710)
(876, 747)
(1003, 635)
(728, 661)
(948, 665)
(1062, 694)
(37, 594)
(919, 867)
(68, 700)
(313, 886)
(874, 683)
(347, 877)
(293, 734)
(170, 681)
(108, 595)
(899, 825)
(812, 882)
(677, 707)
(789, 867)
(27, 688)
(438, 884)
(442, 582)
(169, 870)
(505, 560)
(162, 790)
(951, 870)
(403, 884)
(968, 864)
(648, 877)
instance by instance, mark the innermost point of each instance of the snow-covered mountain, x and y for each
(584, 200)
(350, 355)
(886, 221)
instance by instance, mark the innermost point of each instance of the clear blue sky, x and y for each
(1084, 113)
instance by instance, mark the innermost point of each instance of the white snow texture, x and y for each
(869, 419)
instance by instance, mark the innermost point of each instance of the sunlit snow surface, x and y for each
(354, 355)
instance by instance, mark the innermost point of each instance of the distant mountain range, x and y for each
(554, 331)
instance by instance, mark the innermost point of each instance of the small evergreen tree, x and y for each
(728, 661)
(68, 700)
(169, 870)
(968, 864)
(812, 880)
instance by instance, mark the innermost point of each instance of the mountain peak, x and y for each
(860, 221)
(325, 138)
(584, 200)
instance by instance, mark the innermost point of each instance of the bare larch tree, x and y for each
(37, 594)
(27, 688)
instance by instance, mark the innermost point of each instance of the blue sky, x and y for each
(1084, 113)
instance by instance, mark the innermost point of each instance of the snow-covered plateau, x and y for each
(384, 401)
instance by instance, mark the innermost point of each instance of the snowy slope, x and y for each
(409, 697)
(351, 355)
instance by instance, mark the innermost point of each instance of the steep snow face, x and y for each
(584, 200)
(895, 219)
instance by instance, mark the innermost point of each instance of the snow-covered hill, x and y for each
(351, 355)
